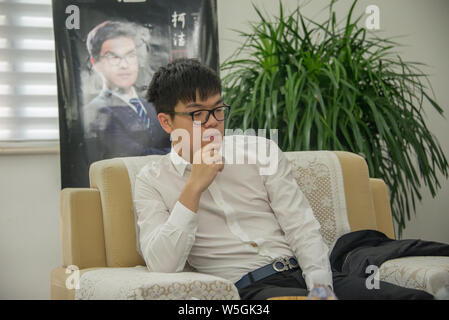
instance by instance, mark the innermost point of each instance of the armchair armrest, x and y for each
(58, 288)
(138, 283)
(82, 231)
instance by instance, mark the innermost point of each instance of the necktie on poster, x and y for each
(141, 113)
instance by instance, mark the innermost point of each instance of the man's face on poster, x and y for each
(118, 63)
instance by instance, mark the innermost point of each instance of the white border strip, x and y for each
(29, 147)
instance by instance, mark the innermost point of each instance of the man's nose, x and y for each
(123, 63)
(211, 122)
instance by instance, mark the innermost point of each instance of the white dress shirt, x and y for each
(243, 222)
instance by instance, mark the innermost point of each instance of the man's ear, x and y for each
(166, 122)
(94, 64)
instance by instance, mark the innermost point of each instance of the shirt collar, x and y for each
(179, 162)
(116, 92)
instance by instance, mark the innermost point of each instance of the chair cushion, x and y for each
(140, 284)
(320, 178)
(423, 273)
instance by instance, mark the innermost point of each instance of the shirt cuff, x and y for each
(183, 218)
(321, 277)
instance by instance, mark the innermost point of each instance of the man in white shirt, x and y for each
(197, 205)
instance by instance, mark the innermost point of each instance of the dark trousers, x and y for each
(349, 259)
(346, 287)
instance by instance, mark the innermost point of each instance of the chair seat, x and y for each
(138, 283)
(423, 273)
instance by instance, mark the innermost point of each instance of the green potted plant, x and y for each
(326, 86)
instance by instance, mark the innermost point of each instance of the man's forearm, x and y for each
(167, 247)
(190, 196)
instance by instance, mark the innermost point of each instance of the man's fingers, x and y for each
(214, 159)
(220, 167)
(211, 155)
(211, 148)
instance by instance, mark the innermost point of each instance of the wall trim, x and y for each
(29, 147)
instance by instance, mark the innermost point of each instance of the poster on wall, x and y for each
(106, 54)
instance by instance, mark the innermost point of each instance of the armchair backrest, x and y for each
(112, 180)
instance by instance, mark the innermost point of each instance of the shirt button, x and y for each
(254, 245)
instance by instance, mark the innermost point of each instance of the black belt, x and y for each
(278, 265)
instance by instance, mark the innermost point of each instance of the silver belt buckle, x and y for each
(286, 264)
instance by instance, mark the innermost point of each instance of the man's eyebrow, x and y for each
(110, 53)
(114, 54)
(132, 50)
(194, 104)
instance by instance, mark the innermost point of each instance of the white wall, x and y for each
(425, 26)
(29, 225)
(30, 184)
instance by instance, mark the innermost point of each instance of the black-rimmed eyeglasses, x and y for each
(220, 113)
(115, 60)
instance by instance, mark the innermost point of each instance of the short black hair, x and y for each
(179, 81)
(105, 31)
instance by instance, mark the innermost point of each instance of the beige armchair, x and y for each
(99, 234)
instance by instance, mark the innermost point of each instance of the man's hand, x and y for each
(205, 172)
(321, 292)
(202, 175)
